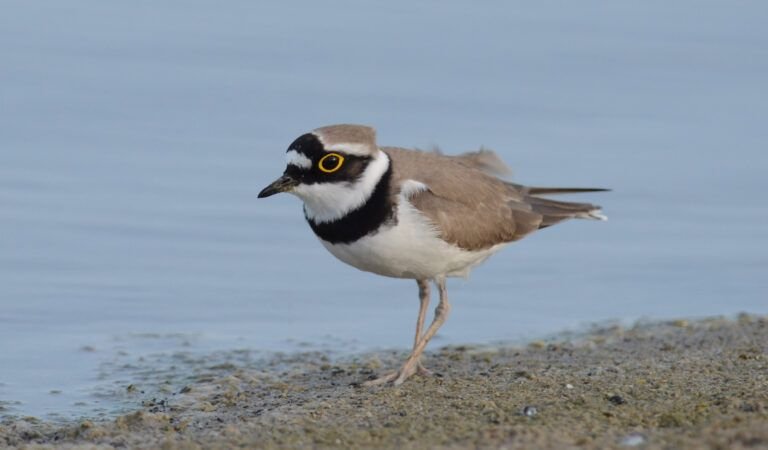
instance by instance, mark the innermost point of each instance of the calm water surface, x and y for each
(134, 139)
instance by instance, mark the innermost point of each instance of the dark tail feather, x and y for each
(532, 190)
(555, 211)
(553, 190)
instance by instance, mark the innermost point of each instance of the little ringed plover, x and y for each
(412, 214)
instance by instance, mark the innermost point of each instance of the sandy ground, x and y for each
(701, 384)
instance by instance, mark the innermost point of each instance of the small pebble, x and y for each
(530, 411)
(617, 399)
(632, 440)
(569, 386)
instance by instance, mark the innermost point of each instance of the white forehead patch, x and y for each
(294, 158)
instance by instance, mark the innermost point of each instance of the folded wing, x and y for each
(470, 207)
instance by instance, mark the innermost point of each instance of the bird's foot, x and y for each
(410, 368)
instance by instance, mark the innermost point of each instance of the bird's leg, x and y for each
(412, 364)
(423, 305)
(441, 313)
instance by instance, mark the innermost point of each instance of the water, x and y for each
(135, 137)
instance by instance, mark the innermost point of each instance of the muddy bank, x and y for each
(665, 385)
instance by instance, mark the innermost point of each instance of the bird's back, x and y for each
(471, 207)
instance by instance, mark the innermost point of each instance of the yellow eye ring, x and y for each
(330, 163)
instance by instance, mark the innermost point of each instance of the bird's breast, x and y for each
(407, 247)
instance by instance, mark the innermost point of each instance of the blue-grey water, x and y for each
(135, 136)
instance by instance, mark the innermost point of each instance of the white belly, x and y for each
(409, 249)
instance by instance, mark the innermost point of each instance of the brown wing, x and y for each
(470, 208)
(484, 160)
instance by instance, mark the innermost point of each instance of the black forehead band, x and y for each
(307, 144)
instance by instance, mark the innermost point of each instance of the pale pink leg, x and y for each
(412, 364)
(423, 305)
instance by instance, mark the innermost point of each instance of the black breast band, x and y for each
(364, 220)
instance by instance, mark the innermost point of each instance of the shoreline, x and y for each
(680, 384)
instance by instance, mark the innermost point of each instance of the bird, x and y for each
(413, 214)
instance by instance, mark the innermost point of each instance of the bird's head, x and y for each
(333, 169)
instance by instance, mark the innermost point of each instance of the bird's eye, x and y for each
(330, 163)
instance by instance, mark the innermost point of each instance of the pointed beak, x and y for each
(282, 184)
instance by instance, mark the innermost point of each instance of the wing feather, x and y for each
(470, 208)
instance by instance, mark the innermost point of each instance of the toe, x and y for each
(409, 368)
(381, 380)
(424, 372)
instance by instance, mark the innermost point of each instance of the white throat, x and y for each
(326, 202)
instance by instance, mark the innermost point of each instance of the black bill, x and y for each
(282, 184)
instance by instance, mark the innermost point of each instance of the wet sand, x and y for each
(698, 384)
